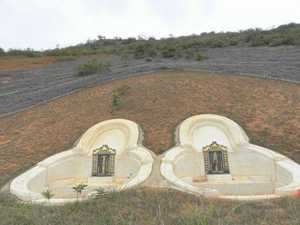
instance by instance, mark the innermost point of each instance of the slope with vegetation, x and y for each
(185, 46)
(268, 110)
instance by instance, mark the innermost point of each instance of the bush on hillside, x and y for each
(117, 96)
(144, 50)
(2, 52)
(200, 56)
(174, 47)
(93, 67)
(168, 51)
(27, 52)
(72, 51)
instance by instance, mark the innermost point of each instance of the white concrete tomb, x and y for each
(109, 156)
(213, 157)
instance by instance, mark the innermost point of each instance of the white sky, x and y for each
(42, 24)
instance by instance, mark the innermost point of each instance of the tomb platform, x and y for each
(213, 157)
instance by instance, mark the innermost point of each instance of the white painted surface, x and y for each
(121, 134)
(205, 135)
(230, 131)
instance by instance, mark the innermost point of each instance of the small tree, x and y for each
(2, 52)
(101, 37)
(117, 96)
(79, 189)
(48, 194)
(200, 56)
(125, 57)
(116, 100)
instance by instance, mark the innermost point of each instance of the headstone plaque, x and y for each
(103, 161)
(216, 159)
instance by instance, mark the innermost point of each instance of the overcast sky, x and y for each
(43, 24)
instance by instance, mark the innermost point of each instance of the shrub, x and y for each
(79, 189)
(216, 43)
(140, 51)
(2, 52)
(117, 94)
(124, 56)
(143, 50)
(188, 53)
(168, 52)
(128, 41)
(88, 68)
(200, 56)
(65, 58)
(27, 52)
(93, 67)
(86, 49)
(47, 194)
(116, 100)
(256, 38)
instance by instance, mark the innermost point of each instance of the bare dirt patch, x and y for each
(22, 62)
(12, 63)
(269, 111)
(3, 140)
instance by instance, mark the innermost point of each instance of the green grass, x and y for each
(151, 207)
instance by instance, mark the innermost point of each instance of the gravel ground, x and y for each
(22, 89)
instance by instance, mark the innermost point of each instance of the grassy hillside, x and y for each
(186, 46)
(152, 207)
(269, 111)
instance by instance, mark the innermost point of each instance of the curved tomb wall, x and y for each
(38, 182)
(74, 166)
(221, 128)
(246, 162)
(283, 176)
(127, 167)
(190, 164)
(204, 135)
(120, 134)
(114, 138)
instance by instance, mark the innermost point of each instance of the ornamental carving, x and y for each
(216, 159)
